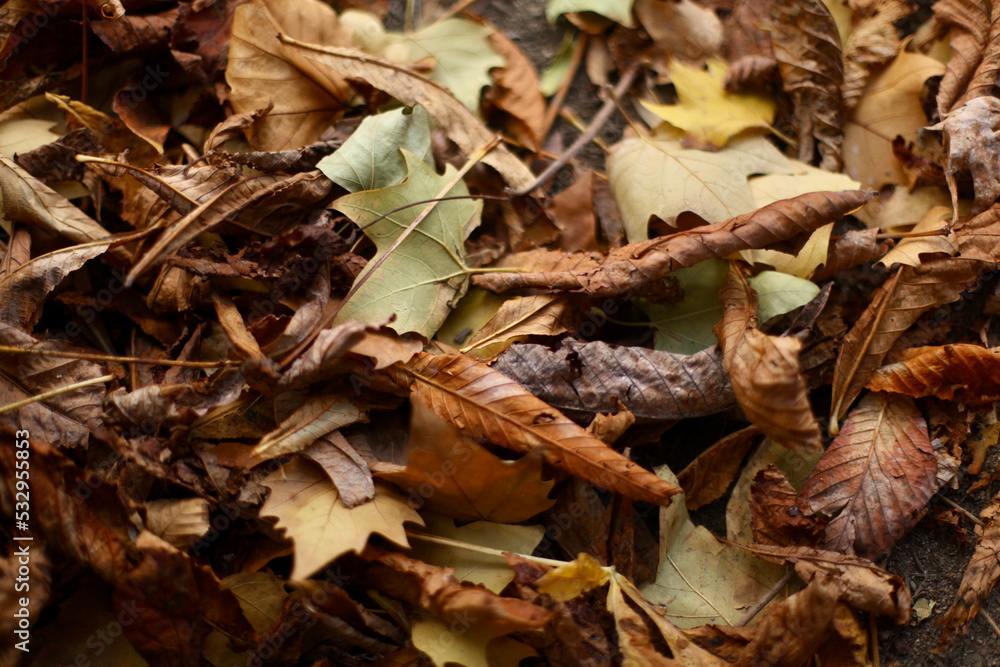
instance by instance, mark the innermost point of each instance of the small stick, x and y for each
(972, 517)
(560, 96)
(600, 118)
(87, 356)
(763, 602)
(989, 619)
(55, 392)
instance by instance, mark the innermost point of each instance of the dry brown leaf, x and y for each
(806, 45)
(638, 269)
(460, 124)
(980, 576)
(324, 353)
(856, 247)
(264, 204)
(970, 134)
(684, 30)
(26, 199)
(653, 385)
(975, 50)
(320, 414)
(764, 370)
(345, 468)
(519, 95)
(708, 477)
(894, 307)
(963, 373)
(436, 590)
(873, 42)
(875, 477)
(539, 315)
(262, 70)
(451, 474)
(180, 522)
(241, 340)
(483, 403)
(173, 404)
(23, 290)
(776, 512)
(863, 584)
(793, 629)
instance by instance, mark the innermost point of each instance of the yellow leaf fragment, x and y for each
(573, 579)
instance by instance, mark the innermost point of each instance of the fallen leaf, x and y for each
(685, 327)
(483, 403)
(180, 522)
(872, 42)
(587, 377)
(175, 404)
(488, 570)
(776, 512)
(312, 514)
(764, 370)
(639, 268)
(710, 115)
(974, 61)
(958, 373)
(708, 477)
(517, 318)
(980, 576)
(616, 10)
(319, 415)
(806, 45)
(894, 307)
(682, 29)
(459, 123)
(662, 178)
(699, 579)
(875, 477)
(520, 94)
(345, 467)
(909, 251)
(971, 140)
(370, 158)
(573, 579)
(427, 270)
(454, 475)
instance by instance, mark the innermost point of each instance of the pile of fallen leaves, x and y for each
(318, 367)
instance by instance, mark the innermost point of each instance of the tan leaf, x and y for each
(961, 373)
(806, 45)
(483, 403)
(539, 315)
(653, 385)
(324, 353)
(683, 29)
(520, 95)
(875, 477)
(639, 268)
(894, 307)
(452, 474)
(975, 58)
(179, 522)
(970, 134)
(312, 514)
(460, 124)
(708, 477)
(909, 251)
(319, 415)
(764, 370)
(980, 576)
(263, 70)
(873, 42)
(232, 323)
(345, 468)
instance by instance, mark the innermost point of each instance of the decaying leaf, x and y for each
(764, 370)
(179, 522)
(707, 477)
(971, 136)
(483, 403)
(806, 45)
(319, 415)
(980, 576)
(310, 510)
(972, 69)
(962, 373)
(587, 377)
(776, 512)
(639, 268)
(875, 478)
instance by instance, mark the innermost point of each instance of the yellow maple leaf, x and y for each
(710, 115)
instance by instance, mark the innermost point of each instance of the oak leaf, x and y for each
(764, 370)
(483, 403)
(875, 477)
(311, 512)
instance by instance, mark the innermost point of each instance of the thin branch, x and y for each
(55, 392)
(600, 118)
(87, 356)
(969, 515)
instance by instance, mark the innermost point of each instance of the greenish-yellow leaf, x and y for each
(780, 293)
(685, 327)
(616, 10)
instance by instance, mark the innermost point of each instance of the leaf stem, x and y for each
(87, 356)
(479, 549)
(55, 392)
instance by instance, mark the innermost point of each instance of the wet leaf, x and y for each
(875, 478)
(311, 512)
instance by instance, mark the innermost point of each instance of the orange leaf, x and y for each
(963, 373)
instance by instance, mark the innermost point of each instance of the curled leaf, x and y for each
(961, 373)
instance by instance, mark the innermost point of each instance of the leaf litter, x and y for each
(316, 355)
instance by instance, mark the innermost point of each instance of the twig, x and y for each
(479, 549)
(600, 118)
(763, 602)
(87, 356)
(989, 619)
(557, 100)
(55, 392)
(972, 517)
